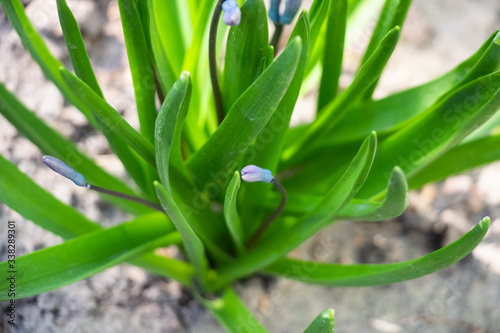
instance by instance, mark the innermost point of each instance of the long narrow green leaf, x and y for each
(458, 159)
(163, 266)
(395, 17)
(323, 323)
(76, 48)
(333, 52)
(173, 174)
(265, 151)
(247, 44)
(232, 314)
(248, 116)
(440, 128)
(192, 243)
(380, 274)
(283, 240)
(34, 43)
(111, 119)
(140, 65)
(163, 67)
(384, 24)
(174, 33)
(231, 215)
(393, 205)
(388, 114)
(21, 194)
(169, 128)
(50, 142)
(338, 107)
(86, 255)
(318, 14)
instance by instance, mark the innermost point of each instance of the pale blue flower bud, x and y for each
(291, 9)
(65, 170)
(252, 173)
(232, 13)
(274, 11)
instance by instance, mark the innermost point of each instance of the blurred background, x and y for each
(463, 298)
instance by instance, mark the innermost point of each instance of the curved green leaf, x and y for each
(394, 203)
(24, 196)
(247, 44)
(34, 43)
(323, 323)
(391, 113)
(333, 52)
(81, 257)
(110, 118)
(174, 29)
(379, 274)
(280, 240)
(338, 107)
(76, 48)
(248, 116)
(231, 212)
(231, 313)
(140, 66)
(393, 14)
(50, 142)
(458, 159)
(265, 151)
(192, 243)
(163, 67)
(438, 129)
(173, 174)
(169, 128)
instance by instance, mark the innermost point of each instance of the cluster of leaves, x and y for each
(333, 168)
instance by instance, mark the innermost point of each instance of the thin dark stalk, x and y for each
(212, 58)
(269, 220)
(159, 89)
(126, 197)
(276, 36)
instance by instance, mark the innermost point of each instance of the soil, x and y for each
(461, 298)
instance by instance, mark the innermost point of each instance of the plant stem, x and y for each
(253, 240)
(276, 37)
(212, 41)
(126, 197)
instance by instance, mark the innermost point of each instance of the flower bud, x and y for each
(65, 170)
(232, 13)
(274, 11)
(252, 173)
(291, 9)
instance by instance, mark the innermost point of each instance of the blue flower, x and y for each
(232, 13)
(291, 9)
(252, 173)
(65, 170)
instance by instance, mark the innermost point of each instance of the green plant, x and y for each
(187, 155)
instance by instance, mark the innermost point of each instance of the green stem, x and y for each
(126, 197)
(269, 220)
(212, 41)
(276, 37)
